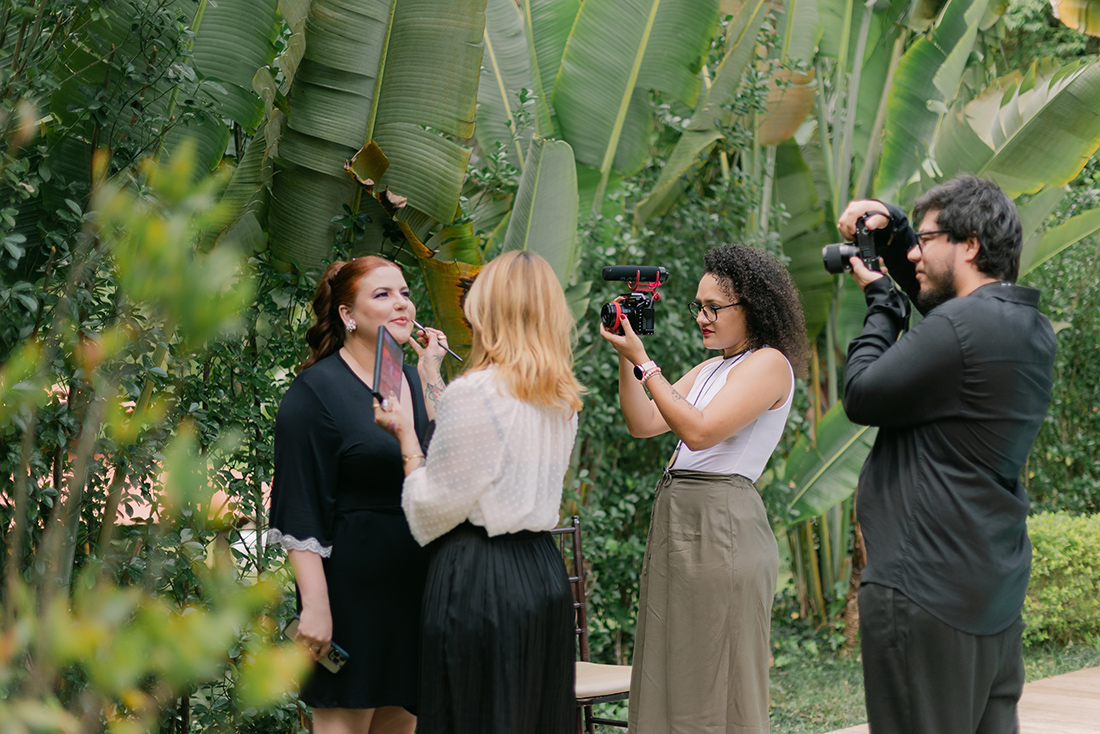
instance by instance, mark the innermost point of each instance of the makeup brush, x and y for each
(418, 325)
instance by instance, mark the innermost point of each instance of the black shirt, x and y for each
(959, 401)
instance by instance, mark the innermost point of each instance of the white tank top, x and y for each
(745, 452)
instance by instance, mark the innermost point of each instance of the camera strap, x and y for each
(718, 368)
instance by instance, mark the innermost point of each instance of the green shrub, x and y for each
(1063, 598)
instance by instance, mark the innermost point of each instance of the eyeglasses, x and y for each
(923, 238)
(710, 313)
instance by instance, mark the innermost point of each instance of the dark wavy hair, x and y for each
(338, 287)
(772, 308)
(969, 206)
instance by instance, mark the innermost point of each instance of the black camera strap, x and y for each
(703, 389)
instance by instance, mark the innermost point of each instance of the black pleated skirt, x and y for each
(497, 649)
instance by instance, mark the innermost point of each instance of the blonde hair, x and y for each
(522, 325)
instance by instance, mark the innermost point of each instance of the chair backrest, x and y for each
(569, 543)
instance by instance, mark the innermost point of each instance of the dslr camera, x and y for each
(637, 305)
(836, 256)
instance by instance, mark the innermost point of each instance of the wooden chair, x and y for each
(596, 683)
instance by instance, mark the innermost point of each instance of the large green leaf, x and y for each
(505, 70)
(803, 234)
(711, 115)
(299, 222)
(824, 474)
(247, 190)
(544, 218)
(926, 80)
(400, 73)
(1026, 132)
(801, 30)
(547, 23)
(1034, 213)
(431, 79)
(616, 51)
(1059, 238)
(232, 41)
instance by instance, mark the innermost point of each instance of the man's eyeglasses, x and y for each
(923, 238)
(710, 313)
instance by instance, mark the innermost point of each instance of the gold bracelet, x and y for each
(407, 459)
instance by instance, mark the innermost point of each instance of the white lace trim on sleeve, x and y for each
(289, 542)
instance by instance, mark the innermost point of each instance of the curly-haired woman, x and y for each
(701, 650)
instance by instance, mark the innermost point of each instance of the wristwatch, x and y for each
(641, 369)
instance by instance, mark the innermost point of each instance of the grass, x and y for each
(823, 694)
(817, 695)
(826, 694)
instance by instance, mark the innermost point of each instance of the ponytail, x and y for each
(339, 286)
(327, 333)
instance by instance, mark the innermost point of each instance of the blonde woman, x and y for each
(497, 643)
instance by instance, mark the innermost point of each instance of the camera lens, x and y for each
(836, 257)
(611, 314)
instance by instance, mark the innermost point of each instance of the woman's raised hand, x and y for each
(430, 346)
(628, 344)
(388, 415)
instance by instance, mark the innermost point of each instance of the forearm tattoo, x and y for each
(434, 391)
(676, 397)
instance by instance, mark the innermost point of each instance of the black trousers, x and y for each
(922, 676)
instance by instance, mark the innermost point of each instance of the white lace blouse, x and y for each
(494, 460)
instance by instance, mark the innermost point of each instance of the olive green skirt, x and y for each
(701, 653)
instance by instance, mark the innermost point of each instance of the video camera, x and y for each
(636, 306)
(836, 256)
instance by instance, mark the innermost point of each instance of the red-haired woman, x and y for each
(336, 502)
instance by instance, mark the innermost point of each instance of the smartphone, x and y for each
(388, 361)
(336, 656)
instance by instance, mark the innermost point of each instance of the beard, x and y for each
(939, 288)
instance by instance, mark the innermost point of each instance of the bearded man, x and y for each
(958, 400)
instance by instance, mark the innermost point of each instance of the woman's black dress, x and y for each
(337, 491)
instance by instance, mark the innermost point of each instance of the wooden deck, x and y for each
(1064, 704)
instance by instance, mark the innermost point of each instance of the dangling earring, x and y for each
(350, 325)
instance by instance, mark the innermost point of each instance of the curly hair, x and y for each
(967, 206)
(773, 312)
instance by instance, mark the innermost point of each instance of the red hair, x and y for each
(339, 286)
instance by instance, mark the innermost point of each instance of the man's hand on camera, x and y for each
(863, 275)
(627, 344)
(856, 209)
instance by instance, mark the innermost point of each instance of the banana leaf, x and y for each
(927, 78)
(295, 13)
(801, 30)
(1059, 238)
(232, 41)
(616, 51)
(1034, 213)
(1080, 15)
(1026, 132)
(505, 70)
(456, 257)
(544, 218)
(400, 73)
(547, 24)
(803, 234)
(823, 475)
(791, 96)
(710, 116)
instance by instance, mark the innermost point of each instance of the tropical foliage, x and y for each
(439, 133)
